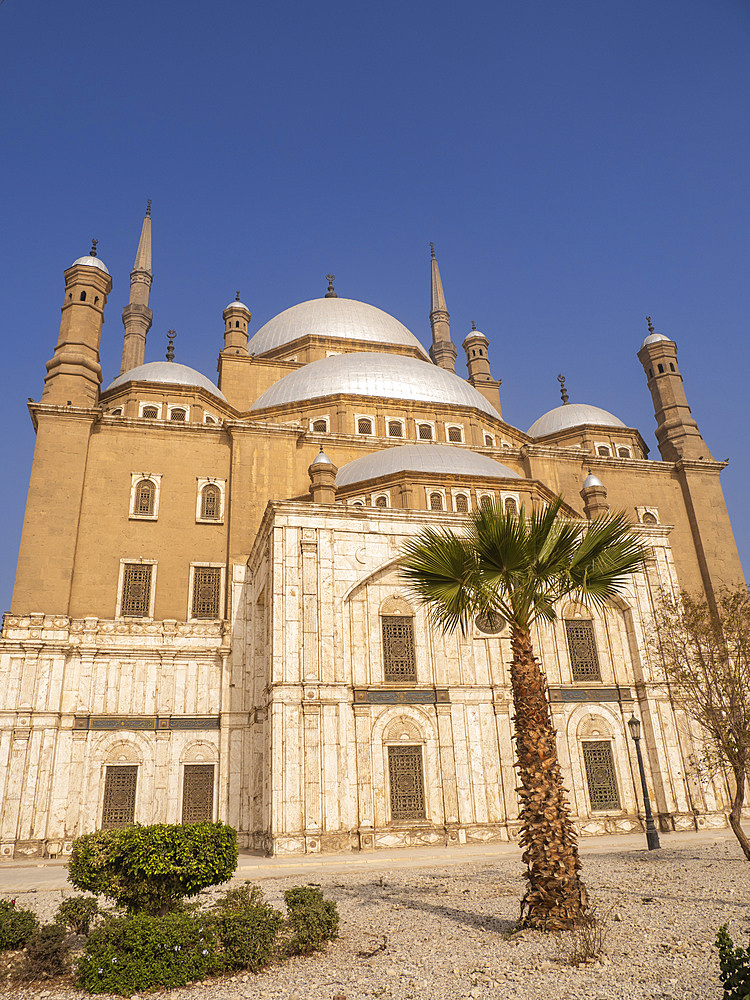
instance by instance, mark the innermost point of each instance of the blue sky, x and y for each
(578, 165)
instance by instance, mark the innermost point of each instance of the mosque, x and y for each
(208, 619)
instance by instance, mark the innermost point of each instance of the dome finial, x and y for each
(148, 207)
(563, 390)
(650, 325)
(432, 250)
(94, 244)
(473, 325)
(331, 294)
(237, 297)
(171, 334)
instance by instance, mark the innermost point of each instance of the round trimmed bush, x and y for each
(76, 913)
(17, 925)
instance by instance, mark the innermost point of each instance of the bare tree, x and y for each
(706, 653)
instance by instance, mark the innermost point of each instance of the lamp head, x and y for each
(634, 725)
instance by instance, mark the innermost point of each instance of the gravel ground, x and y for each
(446, 933)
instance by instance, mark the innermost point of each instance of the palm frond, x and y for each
(440, 569)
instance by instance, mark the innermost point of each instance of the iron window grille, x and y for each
(395, 429)
(178, 415)
(136, 590)
(320, 426)
(144, 498)
(461, 504)
(511, 507)
(398, 649)
(381, 502)
(150, 412)
(600, 775)
(407, 783)
(486, 503)
(364, 425)
(436, 501)
(425, 432)
(455, 434)
(119, 795)
(211, 502)
(198, 793)
(489, 441)
(206, 591)
(584, 660)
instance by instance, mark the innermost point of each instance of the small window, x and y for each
(320, 426)
(364, 425)
(486, 502)
(424, 432)
(648, 518)
(600, 775)
(198, 793)
(407, 782)
(603, 451)
(150, 412)
(116, 412)
(661, 369)
(651, 373)
(357, 503)
(206, 592)
(510, 506)
(623, 452)
(672, 367)
(83, 296)
(178, 414)
(211, 502)
(489, 441)
(236, 323)
(455, 434)
(584, 660)
(208, 419)
(395, 429)
(436, 501)
(398, 648)
(381, 501)
(136, 590)
(145, 493)
(119, 796)
(461, 503)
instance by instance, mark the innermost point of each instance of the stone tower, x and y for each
(136, 316)
(236, 321)
(478, 363)
(443, 351)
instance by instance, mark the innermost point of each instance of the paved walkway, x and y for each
(22, 876)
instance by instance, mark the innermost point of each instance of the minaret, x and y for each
(236, 321)
(136, 316)
(74, 373)
(594, 496)
(478, 363)
(443, 351)
(322, 473)
(676, 431)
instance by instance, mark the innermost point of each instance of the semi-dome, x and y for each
(443, 459)
(383, 376)
(341, 319)
(572, 415)
(169, 372)
(91, 262)
(653, 338)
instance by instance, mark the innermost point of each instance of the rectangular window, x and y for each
(600, 775)
(198, 793)
(119, 796)
(398, 649)
(407, 784)
(136, 590)
(206, 592)
(584, 660)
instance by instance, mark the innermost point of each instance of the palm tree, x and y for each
(520, 567)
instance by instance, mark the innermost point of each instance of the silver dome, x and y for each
(91, 262)
(443, 459)
(167, 371)
(384, 376)
(321, 460)
(592, 480)
(572, 415)
(653, 338)
(342, 319)
(236, 304)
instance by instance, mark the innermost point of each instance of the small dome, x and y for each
(168, 372)
(443, 459)
(572, 415)
(91, 262)
(236, 304)
(341, 319)
(321, 459)
(382, 376)
(592, 480)
(653, 338)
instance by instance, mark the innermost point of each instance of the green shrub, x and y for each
(313, 919)
(47, 953)
(138, 952)
(76, 913)
(248, 928)
(734, 964)
(16, 925)
(150, 869)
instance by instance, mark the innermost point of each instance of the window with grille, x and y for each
(600, 775)
(395, 429)
(198, 793)
(455, 434)
(320, 426)
(425, 432)
(584, 660)
(150, 412)
(211, 502)
(381, 501)
(178, 415)
(117, 412)
(119, 795)
(603, 451)
(461, 503)
(436, 501)
(208, 419)
(511, 507)
(398, 648)
(623, 452)
(206, 591)
(145, 493)
(407, 783)
(488, 441)
(136, 590)
(648, 518)
(486, 503)
(364, 425)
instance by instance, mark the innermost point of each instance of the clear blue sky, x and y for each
(578, 165)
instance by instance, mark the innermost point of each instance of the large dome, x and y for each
(169, 372)
(443, 459)
(572, 415)
(384, 376)
(342, 319)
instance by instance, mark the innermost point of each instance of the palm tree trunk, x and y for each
(555, 898)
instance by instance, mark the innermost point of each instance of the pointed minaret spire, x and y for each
(136, 316)
(443, 351)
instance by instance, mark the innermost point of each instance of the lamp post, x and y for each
(652, 834)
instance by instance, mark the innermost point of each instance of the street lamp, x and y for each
(652, 834)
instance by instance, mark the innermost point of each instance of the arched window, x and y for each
(623, 452)
(211, 502)
(83, 296)
(461, 503)
(511, 507)
(601, 778)
(486, 503)
(584, 659)
(236, 323)
(648, 518)
(208, 419)
(395, 429)
(651, 373)
(116, 412)
(357, 503)
(436, 501)
(488, 441)
(150, 412)
(178, 414)
(397, 624)
(425, 432)
(661, 369)
(455, 434)
(145, 492)
(320, 426)
(381, 501)
(603, 451)
(364, 425)
(672, 367)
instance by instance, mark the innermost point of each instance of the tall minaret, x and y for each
(442, 352)
(136, 316)
(476, 346)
